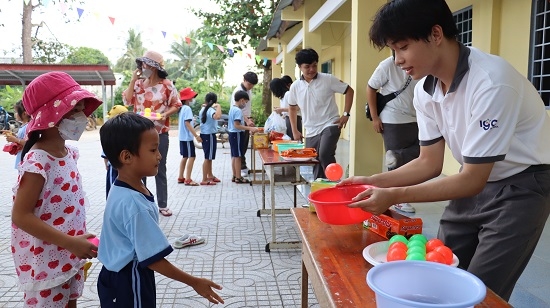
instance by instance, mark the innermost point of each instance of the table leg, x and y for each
(304, 291)
(272, 192)
(259, 213)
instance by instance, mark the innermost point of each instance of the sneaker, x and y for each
(188, 240)
(391, 160)
(404, 207)
(244, 172)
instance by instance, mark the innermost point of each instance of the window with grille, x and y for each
(539, 64)
(463, 20)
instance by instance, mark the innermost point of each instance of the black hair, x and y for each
(287, 79)
(399, 20)
(278, 87)
(19, 108)
(307, 56)
(32, 138)
(123, 132)
(240, 95)
(251, 77)
(210, 99)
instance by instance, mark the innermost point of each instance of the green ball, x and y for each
(398, 238)
(420, 237)
(417, 249)
(418, 243)
(416, 257)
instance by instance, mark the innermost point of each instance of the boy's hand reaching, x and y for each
(204, 288)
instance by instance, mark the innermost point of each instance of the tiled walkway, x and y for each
(233, 254)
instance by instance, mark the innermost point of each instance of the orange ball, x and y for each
(334, 172)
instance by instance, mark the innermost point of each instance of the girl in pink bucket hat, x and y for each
(49, 239)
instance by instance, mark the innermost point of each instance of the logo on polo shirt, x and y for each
(488, 124)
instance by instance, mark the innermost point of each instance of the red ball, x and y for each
(334, 172)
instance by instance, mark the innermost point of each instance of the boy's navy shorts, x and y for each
(236, 141)
(187, 149)
(209, 146)
(132, 286)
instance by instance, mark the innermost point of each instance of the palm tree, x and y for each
(134, 49)
(189, 63)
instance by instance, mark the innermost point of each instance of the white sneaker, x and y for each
(391, 160)
(188, 240)
(244, 172)
(404, 207)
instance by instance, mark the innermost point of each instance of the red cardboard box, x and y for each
(391, 223)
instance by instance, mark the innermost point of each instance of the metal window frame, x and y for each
(464, 17)
(537, 75)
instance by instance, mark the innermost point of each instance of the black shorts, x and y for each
(236, 141)
(209, 146)
(187, 149)
(132, 286)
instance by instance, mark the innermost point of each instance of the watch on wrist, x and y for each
(346, 114)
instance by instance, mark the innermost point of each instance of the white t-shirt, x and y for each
(316, 101)
(491, 113)
(247, 110)
(390, 78)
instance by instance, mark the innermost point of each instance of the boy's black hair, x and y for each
(123, 132)
(240, 95)
(210, 99)
(278, 87)
(287, 79)
(307, 56)
(411, 19)
(251, 77)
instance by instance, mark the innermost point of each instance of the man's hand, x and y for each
(342, 121)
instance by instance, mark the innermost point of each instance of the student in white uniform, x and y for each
(397, 121)
(494, 122)
(314, 95)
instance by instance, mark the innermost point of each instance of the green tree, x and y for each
(26, 32)
(189, 63)
(49, 52)
(86, 55)
(243, 24)
(9, 96)
(134, 49)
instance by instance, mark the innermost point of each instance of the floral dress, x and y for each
(61, 204)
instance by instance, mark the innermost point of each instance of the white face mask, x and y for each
(146, 72)
(73, 127)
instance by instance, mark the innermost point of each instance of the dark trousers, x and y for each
(289, 127)
(244, 147)
(402, 140)
(325, 144)
(495, 232)
(160, 179)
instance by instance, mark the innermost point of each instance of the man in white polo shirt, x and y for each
(494, 122)
(314, 93)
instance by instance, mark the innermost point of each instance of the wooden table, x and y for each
(332, 259)
(271, 160)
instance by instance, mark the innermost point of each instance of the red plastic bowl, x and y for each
(331, 205)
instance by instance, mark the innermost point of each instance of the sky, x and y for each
(104, 25)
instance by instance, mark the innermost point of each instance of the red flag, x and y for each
(188, 40)
(112, 19)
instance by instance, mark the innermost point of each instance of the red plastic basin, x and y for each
(331, 205)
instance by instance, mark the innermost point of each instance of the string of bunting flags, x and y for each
(63, 7)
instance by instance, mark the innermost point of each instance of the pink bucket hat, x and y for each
(52, 95)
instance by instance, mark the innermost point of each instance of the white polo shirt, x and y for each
(247, 110)
(491, 113)
(389, 78)
(316, 101)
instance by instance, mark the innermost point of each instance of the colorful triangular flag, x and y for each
(188, 40)
(230, 52)
(163, 33)
(258, 59)
(112, 19)
(220, 48)
(27, 2)
(210, 45)
(63, 7)
(79, 11)
(45, 2)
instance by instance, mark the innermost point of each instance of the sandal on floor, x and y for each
(181, 180)
(191, 183)
(214, 179)
(233, 179)
(208, 183)
(165, 212)
(241, 180)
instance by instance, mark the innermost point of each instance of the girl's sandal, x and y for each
(191, 183)
(214, 179)
(208, 183)
(241, 180)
